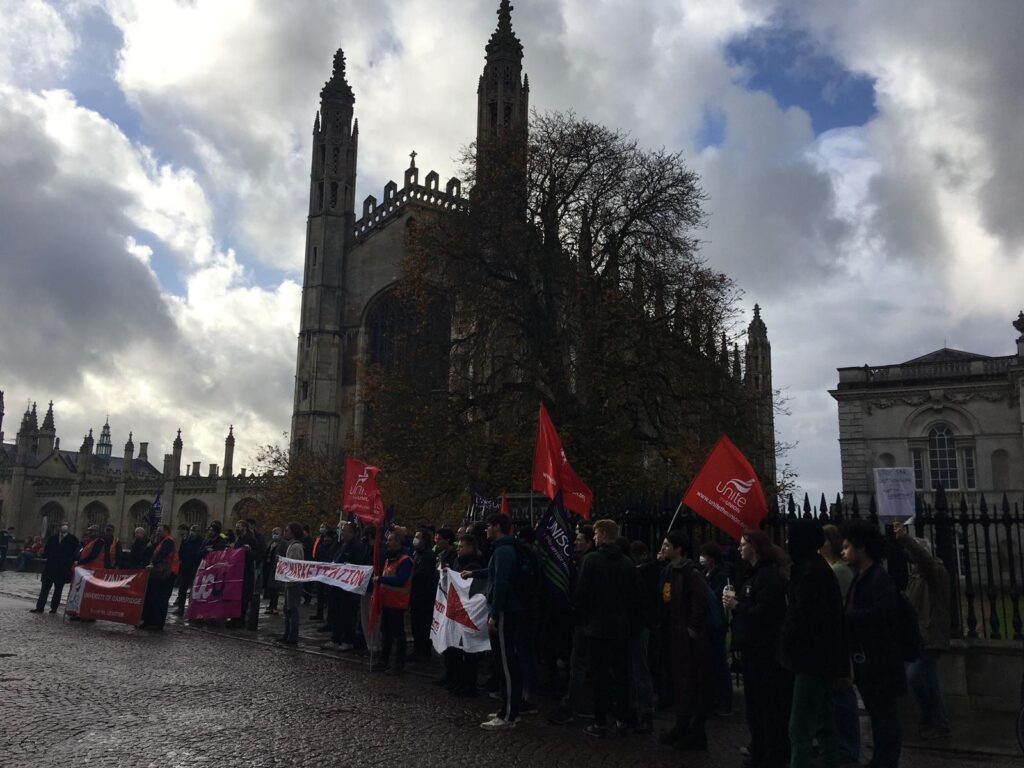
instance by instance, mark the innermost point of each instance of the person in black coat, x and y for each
(246, 540)
(60, 552)
(607, 597)
(872, 617)
(190, 553)
(161, 580)
(813, 645)
(424, 591)
(342, 605)
(461, 667)
(140, 551)
(758, 614)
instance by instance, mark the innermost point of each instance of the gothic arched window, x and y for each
(942, 458)
(405, 339)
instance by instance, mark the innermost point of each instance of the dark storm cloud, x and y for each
(70, 294)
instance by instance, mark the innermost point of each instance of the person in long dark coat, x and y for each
(244, 539)
(60, 552)
(872, 619)
(685, 617)
(758, 614)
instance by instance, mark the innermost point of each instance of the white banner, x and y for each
(460, 615)
(894, 492)
(353, 578)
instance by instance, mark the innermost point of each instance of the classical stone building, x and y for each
(350, 317)
(41, 484)
(955, 417)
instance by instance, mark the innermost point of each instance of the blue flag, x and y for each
(155, 513)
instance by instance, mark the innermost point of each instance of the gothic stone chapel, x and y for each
(350, 316)
(350, 319)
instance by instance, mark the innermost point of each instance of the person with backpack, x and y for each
(686, 612)
(503, 603)
(607, 594)
(874, 630)
(813, 646)
(759, 610)
(928, 593)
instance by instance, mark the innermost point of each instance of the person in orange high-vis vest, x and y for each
(112, 547)
(395, 585)
(163, 568)
(93, 552)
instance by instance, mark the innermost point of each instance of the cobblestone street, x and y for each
(105, 694)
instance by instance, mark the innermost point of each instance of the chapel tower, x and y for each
(329, 234)
(758, 379)
(503, 98)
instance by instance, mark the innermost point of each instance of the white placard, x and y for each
(894, 493)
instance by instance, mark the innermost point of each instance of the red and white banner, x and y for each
(347, 576)
(553, 473)
(361, 496)
(460, 615)
(217, 589)
(109, 595)
(726, 491)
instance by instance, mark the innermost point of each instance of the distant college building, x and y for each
(41, 484)
(955, 417)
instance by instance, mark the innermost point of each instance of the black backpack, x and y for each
(908, 629)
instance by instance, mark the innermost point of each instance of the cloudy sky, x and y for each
(864, 162)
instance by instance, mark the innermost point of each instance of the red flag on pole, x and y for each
(504, 503)
(553, 473)
(726, 491)
(361, 496)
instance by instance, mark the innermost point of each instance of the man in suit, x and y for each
(60, 553)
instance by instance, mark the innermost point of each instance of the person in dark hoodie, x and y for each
(758, 612)
(504, 613)
(640, 679)
(872, 617)
(685, 615)
(813, 646)
(607, 596)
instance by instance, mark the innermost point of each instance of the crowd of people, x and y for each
(809, 629)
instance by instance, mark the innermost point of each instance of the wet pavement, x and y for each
(106, 694)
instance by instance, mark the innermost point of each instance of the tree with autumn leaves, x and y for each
(575, 279)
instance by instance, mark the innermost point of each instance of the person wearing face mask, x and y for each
(424, 590)
(271, 590)
(60, 552)
(140, 551)
(317, 553)
(189, 552)
(245, 540)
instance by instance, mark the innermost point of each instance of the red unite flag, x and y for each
(361, 496)
(553, 473)
(726, 491)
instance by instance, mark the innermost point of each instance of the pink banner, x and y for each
(217, 589)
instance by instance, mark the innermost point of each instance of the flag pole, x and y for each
(673, 521)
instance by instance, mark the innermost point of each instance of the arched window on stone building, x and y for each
(193, 512)
(95, 513)
(942, 459)
(400, 337)
(138, 516)
(50, 518)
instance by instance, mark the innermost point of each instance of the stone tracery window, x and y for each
(942, 460)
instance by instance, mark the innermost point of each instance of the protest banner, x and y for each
(460, 615)
(108, 594)
(894, 493)
(217, 588)
(347, 576)
(726, 491)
